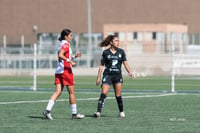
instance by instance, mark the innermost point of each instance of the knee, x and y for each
(118, 93)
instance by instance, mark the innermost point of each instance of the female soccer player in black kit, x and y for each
(112, 58)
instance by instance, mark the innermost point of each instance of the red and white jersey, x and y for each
(64, 45)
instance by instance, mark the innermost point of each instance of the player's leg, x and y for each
(117, 85)
(55, 95)
(118, 89)
(104, 93)
(72, 101)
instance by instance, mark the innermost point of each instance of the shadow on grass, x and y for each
(92, 116)
(36, 117)
(42, 118)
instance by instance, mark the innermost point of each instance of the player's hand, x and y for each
(73, 63)
(131, 75)
(78, 54)
(97, 82)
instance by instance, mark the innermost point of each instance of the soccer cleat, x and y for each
(78, 116)
(122, 114)
(97, 114)
(47, 115)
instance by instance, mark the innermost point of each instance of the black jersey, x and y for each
(112, 61)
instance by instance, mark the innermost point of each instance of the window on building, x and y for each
(116, 34)
(154, 35)
(135, 35)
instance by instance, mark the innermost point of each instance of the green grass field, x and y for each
(161, 83)
(146, 112)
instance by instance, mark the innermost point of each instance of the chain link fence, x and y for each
(169, 55)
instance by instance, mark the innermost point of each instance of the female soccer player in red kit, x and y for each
(112, 58)
(64, 75)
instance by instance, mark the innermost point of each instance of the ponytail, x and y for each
(107, 40)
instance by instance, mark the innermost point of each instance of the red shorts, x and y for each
(65, 78)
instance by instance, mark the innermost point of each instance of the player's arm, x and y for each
(62, 56)
(99, 74)
(128, 69)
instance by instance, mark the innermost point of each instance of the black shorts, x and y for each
(112, 79)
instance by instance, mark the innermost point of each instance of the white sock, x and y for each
(50, 105)
(73, 108)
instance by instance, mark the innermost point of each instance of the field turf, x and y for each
(88, 82)
(149, 107)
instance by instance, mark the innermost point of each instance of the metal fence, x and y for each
(19, 59)
(169, 55)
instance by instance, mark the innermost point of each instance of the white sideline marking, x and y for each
(86, 99)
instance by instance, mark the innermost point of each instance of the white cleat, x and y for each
(78, 116)
(122, 114)
(47, 115)
(97, 114)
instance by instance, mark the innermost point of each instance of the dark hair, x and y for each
(107, 40)
(64, 33)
